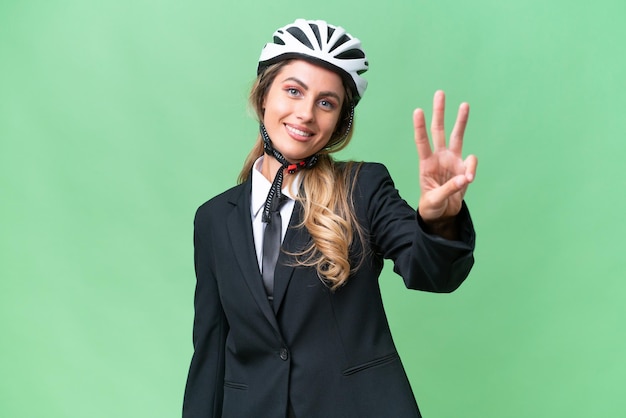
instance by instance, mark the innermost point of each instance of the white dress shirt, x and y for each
(260, 188)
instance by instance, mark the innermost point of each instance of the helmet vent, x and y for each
(340, 41)
(330, 33)
(299, 35)
(278, 40)
(316, 31)
(350, 54)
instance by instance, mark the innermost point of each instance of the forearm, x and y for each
(445, 228)
(436, 263)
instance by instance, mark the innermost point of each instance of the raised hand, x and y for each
(444, 174)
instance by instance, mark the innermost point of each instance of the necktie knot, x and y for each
(277, 204)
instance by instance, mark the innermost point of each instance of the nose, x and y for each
(305, 110)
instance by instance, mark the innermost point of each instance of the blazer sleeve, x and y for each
(205, 383)
(425, 262)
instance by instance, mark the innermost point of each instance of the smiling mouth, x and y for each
(298, 132)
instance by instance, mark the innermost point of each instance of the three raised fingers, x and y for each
(437, 128)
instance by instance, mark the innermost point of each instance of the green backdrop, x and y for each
(118, 118)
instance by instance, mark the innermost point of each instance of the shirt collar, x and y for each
(261, 187)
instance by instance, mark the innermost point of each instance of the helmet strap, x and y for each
(275, 194)
(350, 122)
(346, 131)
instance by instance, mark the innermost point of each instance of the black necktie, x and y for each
(271, 245)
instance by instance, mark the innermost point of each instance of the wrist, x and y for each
(444, 227)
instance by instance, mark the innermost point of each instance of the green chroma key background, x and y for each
(119, 118)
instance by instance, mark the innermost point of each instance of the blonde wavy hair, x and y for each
(329, 214)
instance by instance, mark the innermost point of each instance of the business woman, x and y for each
(306, 335)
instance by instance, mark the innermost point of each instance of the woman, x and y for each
(306, 336)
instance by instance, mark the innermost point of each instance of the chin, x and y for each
(295, 153)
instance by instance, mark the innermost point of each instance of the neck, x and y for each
(269, 168)
(274, 161)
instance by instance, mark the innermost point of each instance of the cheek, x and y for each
(275, 110)
(274, 98)
(332, 124)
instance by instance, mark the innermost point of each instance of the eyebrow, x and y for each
(305, 87)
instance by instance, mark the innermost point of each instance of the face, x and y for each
(302, 108)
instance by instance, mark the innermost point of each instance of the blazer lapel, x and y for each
(295, 241)
(242, 241)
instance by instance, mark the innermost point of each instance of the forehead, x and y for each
(313, 76)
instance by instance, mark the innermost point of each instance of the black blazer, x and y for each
(330, 354)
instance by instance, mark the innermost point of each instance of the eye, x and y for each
(326, 104)
(292, 91)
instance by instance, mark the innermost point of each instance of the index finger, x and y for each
(421, 136)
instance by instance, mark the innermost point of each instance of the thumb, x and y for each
(452, 186)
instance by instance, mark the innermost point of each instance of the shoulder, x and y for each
(221, 203)
(373, 171)
(370, 185)
(362, 171)
(364, 176)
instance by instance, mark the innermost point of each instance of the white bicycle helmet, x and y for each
(323, 44)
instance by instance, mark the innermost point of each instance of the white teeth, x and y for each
(298, 131)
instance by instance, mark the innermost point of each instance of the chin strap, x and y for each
(275, 194)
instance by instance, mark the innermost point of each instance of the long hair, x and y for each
(329, 214)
